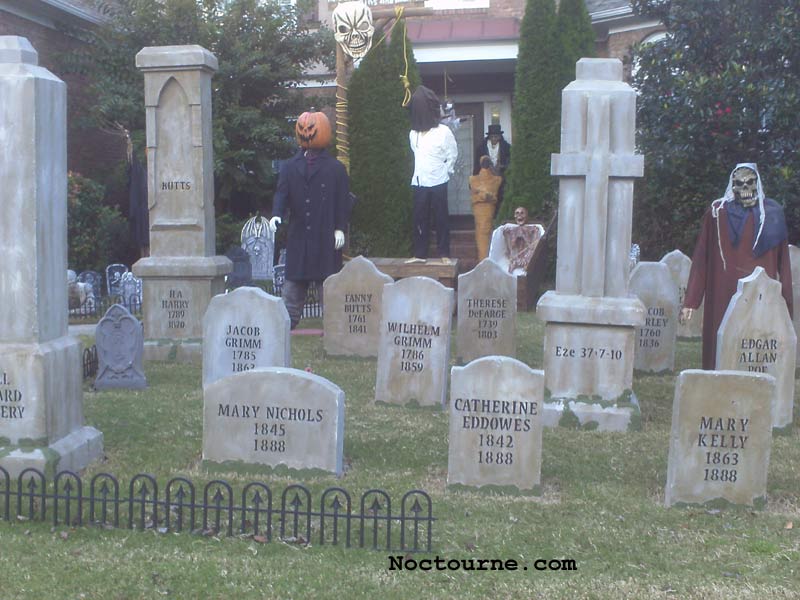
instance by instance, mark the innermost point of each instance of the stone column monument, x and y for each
(182, 274)
(41, 386)
(591, 317)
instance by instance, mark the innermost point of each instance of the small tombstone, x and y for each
(487, 312)
(94, 279)
(414, 344)
(114, 275)
(513, 245)
(120, 345)
(721, 438)
(757, 335)
(655, 339)
(352, 315)
(131, 291)
(259, 243)
(244, 330)
(794, 260)
(242, 273)
(679, 267)
(496, 424)
(274, 416)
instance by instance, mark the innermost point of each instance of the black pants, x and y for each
(427, 199)
(294, 297)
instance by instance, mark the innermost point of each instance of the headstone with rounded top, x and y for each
(679, 267)
(120, 343)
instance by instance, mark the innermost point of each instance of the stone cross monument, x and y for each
(41, 385)
(591, 317)
(181, 275)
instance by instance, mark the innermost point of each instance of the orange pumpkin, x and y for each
(313, 130)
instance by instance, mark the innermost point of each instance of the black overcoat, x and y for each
(316, 202)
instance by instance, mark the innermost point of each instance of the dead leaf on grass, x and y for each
(789, 525)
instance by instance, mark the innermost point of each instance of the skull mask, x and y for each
(745, 185)
(521, 215)
(352, 26)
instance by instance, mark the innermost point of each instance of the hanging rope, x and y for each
(342, 132)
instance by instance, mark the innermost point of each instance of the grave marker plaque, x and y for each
(487, 312)
(655, 339)
(414, 345)
(721, 438)
(757, 335)
(794, 260)
(274, 417)
(120, 344)
(496, 424)
(243, 330)
(353, 305)
(679, 267)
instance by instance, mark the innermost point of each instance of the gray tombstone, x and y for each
(487, 312)
(757, 335)
(353, 309)
(244, 330)
(496, 424)
(94, 279)
(242, 273)
(655, 339)
(794, 260)
(679, 267)
(259, 243)
(414, 344)
(274, 417)
(721, 438)
(120, 344)
(41, 388)
(131, 291)
(114, 275)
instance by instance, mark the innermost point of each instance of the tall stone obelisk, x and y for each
(182, 273)
(591, 317)
(41, 383)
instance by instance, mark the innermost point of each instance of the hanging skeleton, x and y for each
(352, 27)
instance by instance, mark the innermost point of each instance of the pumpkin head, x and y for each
(313, 130)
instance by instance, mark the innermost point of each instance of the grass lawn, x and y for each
(602, 506)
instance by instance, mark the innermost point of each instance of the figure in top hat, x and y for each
(496, 148)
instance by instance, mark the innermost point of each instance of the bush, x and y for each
(98, 235)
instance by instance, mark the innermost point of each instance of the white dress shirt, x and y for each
(435, 153)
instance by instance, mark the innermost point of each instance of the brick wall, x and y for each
(91, 152)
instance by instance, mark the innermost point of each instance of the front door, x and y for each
(458, 197)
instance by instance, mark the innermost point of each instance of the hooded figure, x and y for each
(741, 231)
(435, 154)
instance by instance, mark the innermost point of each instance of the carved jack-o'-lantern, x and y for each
(313, 130)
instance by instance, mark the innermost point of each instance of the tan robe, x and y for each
(484, 187)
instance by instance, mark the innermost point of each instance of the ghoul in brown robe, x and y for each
(708, 277)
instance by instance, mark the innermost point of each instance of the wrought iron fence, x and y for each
(215, 509)
(90, 361)
(96, 307)
(312, 308)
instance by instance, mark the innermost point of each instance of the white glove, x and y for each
(338, 239)
(273, 224)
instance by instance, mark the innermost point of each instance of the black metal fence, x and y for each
(95, 308)
(90, 361)
(312, 308)
(215, 509)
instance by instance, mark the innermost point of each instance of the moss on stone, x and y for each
(496, 490)
(245, 468)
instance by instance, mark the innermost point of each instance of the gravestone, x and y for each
(794, 260)
(242, 273)
(496, 425)
(487, 312)
(181, 275)
(655, 339)
(679, 267)
(131, 291)
(41, 385)
(94, 279)
(721, 438)
(120, 344)
(757, 335)
(591, 317)
(275, 417)
(414, 343)
(353, 304)
(244, 330)
(114, 275)
(259, 243)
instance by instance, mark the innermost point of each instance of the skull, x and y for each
(521, 215)
(745, 184)
(352, 27)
